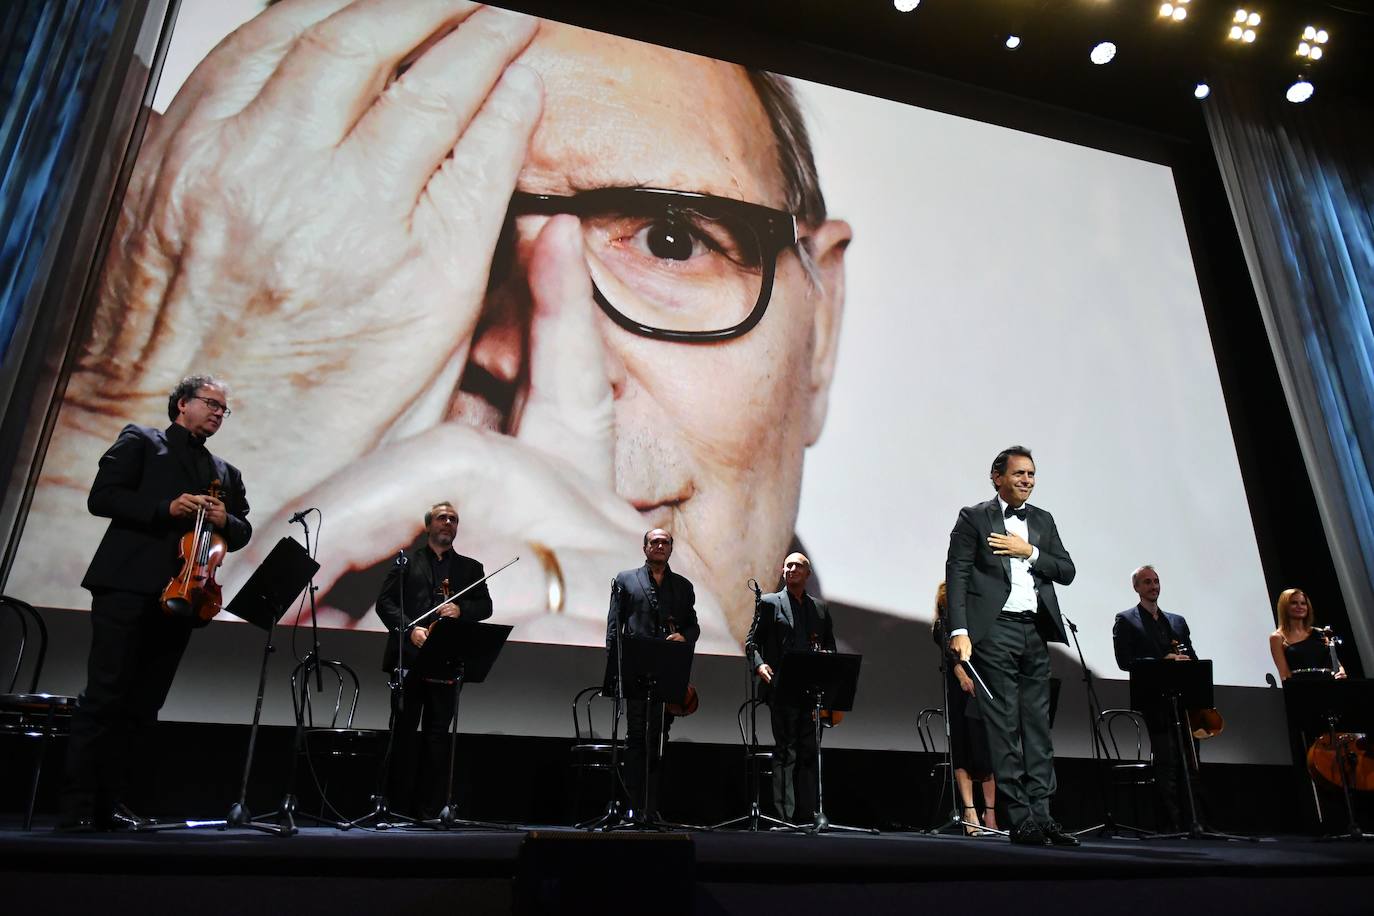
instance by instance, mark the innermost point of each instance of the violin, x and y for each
(691, 701)
(1203, 722)
(829, 717)
(193, 591)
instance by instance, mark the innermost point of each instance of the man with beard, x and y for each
(430, 573)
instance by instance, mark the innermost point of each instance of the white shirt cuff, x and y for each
(962, 631)
(1035, 555)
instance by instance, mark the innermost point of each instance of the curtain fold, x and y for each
(53, 51)
(1300, 181)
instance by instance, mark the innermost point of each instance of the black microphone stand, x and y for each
(752, 776)
(287, 813)
(614, 815)
(381, 814)
(1109, 827)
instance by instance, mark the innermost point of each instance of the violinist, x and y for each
(151, 484)
(651, 602)
(1147, 631)
(790, 620)
(1295, 645)
(431, 572)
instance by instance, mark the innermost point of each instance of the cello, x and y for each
(193, 592)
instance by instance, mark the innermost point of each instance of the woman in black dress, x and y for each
(968, 738)
(1294, 645)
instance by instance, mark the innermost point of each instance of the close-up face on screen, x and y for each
(581, 286)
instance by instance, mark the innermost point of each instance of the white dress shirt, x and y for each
(1022, 597)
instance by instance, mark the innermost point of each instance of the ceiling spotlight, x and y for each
(1201, 91)
(1177, 10)
(1309, 34)
(1304, 49)
(1166, 10)
(1322, 36)
(1103, 53)
(906, 6)
(1252, 20)
(1248, 36)
(1013, 42)
(1235, 33)
(1180, 13)
(1316, 54)
(1300, 91)
(1240, 16)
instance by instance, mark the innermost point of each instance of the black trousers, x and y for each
(794, 763)
(644, 797)
(135, 651)
(1015, 662)
(420, 776)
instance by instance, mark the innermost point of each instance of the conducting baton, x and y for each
(454, 597)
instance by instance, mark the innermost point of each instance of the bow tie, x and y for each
(1019, 513)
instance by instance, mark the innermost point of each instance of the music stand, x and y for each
(1180, 685)
(1332, 702)
(458, 652)
(819, 680)
(656, 670)
(262, 601)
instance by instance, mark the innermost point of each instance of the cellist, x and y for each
(151, 485)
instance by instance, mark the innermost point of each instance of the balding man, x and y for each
(649, 602)
(790, 620)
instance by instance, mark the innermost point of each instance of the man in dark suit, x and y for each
(152, 484)
(790, 620)
(1004, 559)
(1147, 631)
(429, 574)
(651, 602)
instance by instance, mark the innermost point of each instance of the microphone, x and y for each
(300, 515)
(401, 558)
(758, 592)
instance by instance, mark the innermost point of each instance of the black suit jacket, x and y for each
(979, 582)
(1132, 641)
(774, 632)
(138, 478)
(421, 594)
(633, 600)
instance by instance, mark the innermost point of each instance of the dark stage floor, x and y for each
(559, 870)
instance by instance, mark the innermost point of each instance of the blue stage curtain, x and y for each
(52, 53)
(1301, 185)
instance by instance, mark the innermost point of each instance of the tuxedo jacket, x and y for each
(774, 632)
(646, 610)
(421, 592)
(1132, 640)
(138, 478)
(978, 582)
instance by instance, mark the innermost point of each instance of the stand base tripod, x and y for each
(381, 816)
(753, 819)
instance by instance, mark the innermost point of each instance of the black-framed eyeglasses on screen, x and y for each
(673, 265)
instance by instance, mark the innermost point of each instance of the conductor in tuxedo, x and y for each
(1005, 557)
(790, 620)
(430, 573)
(151, 484)
(650, 602)
(1147, 631)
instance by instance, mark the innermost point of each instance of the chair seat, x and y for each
(342, 742)
(37, 702)
(35, 715)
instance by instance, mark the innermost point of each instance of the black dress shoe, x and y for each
(1055, 835)
(121, 818)
(1029, 834)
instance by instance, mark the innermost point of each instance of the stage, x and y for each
(555, 869)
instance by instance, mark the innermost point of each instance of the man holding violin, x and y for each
(151, 484)
(651, 602)
(419, 581)
(1147, 631)
(783, 621)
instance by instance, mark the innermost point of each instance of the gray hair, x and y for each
(1135, 576)
(796, 161)
(187, 388)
